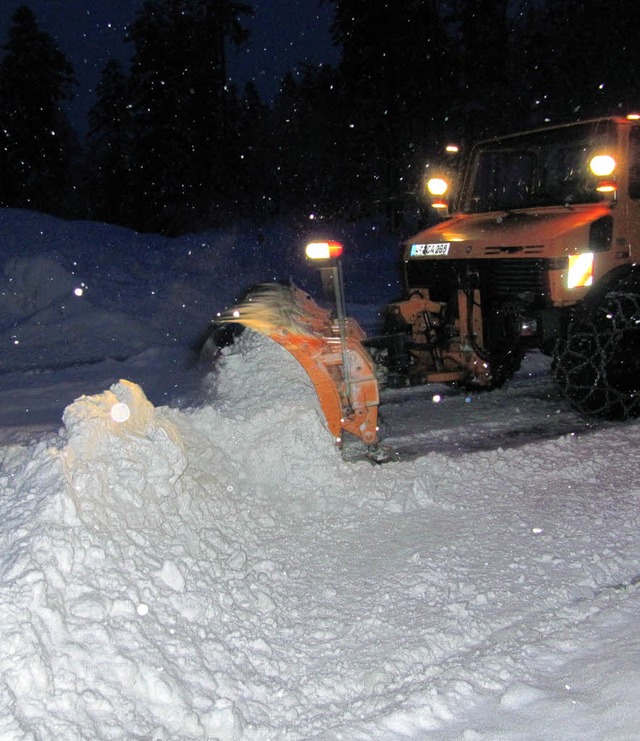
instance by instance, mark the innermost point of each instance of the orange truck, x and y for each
(537, 246)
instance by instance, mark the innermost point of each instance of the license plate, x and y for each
(429, 250)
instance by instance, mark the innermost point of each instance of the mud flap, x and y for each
(342, 373)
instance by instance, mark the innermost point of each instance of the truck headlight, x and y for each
(602, 165)
(437, 186)
(580, 271)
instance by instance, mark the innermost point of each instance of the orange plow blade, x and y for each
(341, 369)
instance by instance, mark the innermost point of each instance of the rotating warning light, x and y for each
(602, 165)
(328, 250)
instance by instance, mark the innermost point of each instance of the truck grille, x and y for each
(500, 280)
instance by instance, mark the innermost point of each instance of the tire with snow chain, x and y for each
(597, 364)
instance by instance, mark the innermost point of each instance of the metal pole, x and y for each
(338, 286)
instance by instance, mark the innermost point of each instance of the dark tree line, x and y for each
(172, 147)
(36, 140)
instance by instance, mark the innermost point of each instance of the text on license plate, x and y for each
(424, 250)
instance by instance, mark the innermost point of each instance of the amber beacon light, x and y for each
(328, 250)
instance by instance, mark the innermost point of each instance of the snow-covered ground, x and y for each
(186, 555)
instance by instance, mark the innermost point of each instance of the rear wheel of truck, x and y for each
(597, 364)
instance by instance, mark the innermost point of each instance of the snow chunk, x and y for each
(120, 449)
(223, 721)
(118, 416)
(171, 575)
(520, 695)
(90, 419)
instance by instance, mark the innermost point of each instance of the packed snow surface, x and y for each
(211, 567)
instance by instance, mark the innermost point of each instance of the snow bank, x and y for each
(73, 292)
(77, 292)
(220, 572)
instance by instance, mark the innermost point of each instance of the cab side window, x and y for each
(634, 163)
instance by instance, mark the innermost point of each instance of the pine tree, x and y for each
(581, 62)
(308, 130)
(483, 100)
(394, 76)
(184, 141)
(36, 139)
(110, 138)
(256, 154)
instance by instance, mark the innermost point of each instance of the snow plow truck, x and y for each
(537, 246)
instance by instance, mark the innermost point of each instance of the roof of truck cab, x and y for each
(618, 120)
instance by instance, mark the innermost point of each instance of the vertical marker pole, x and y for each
(341, 311)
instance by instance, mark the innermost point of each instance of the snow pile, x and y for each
(136, 556)
(219, 572)
(268, 410)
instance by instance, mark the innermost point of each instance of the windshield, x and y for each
(544, 168)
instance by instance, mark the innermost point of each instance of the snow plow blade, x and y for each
(340, 368)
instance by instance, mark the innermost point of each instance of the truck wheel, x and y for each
(505, 350)
(504, 365)
(597, 365)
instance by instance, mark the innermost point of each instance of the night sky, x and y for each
(90, 32)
